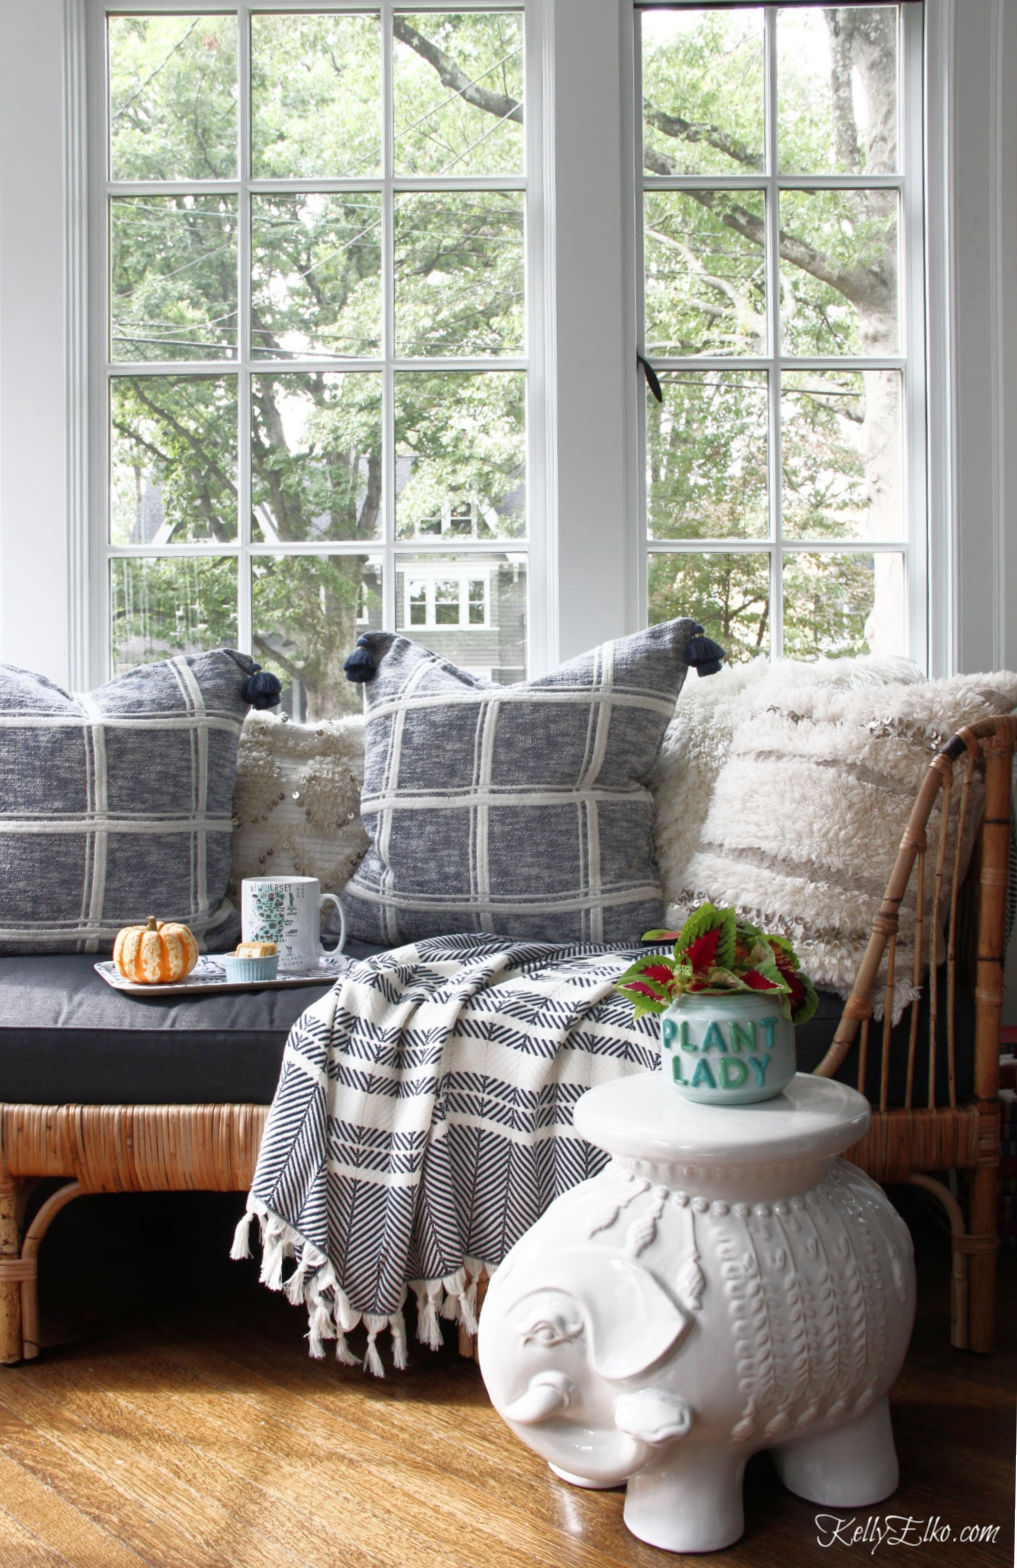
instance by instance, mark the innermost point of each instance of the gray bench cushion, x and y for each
(68, 1037)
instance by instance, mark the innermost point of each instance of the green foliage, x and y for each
(715, 954)
(316, 438)
(173, 97)
(708, 469)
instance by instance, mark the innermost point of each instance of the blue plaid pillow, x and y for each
(522, 810)
(118, 803)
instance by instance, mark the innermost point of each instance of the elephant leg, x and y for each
(847, 1466)
(688, 1500)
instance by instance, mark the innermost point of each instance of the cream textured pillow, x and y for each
(697, 743)
(806, 814)
(296, 802)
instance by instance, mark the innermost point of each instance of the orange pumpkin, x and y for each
(155, 953)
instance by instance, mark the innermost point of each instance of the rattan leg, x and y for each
(30, 1261)
(959, 1287)
(10, 1282)
(981, 1245)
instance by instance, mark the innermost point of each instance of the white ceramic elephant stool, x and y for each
(725, 1285)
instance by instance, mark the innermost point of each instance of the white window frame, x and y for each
(584, 567)
(427, 576)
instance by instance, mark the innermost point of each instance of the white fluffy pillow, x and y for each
(799, 824)
(296, 802)
(698, 742)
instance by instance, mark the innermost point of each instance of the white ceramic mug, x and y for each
(287, 911)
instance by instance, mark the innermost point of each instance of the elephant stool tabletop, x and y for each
(726, 1284)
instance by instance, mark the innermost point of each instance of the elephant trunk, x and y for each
(546, 1394)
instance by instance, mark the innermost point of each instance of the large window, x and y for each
(782, 266)
(258, 443)
(316, 333)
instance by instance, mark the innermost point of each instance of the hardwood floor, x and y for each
(176, 1421)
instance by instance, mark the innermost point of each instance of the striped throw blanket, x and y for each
(423, 1121)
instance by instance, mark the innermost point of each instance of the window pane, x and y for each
(841, 455)
(459, 272)
(173, 97)
(476, 610)
(461, 431)
(729, 595)
(446, 603)
(173, 459)
(162, 607)
(315, 96)
(705, 272)
(839, 272)
(308, 613)
(316, 275)
(837, 90)
(835, 605)
(703, 91)
(316, 456)
(458, 86)
(173, 277)
(706, 456)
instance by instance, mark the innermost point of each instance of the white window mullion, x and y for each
(918, 585)
(388, 463)
(245, 586)
(593, 337)
(775, 371)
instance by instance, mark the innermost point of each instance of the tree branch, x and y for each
(712, 135)
(452, 76)
(863, 286)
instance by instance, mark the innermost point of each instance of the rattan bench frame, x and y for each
(186, 1148)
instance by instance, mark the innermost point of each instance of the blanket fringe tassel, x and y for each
(329, 1312)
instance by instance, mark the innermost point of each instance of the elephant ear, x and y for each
(632, 1320)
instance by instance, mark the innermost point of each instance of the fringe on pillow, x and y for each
(330, 1314)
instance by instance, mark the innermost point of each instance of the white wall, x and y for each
(34, 502)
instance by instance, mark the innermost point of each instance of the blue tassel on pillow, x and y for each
(361, 664)
(262, 689)
(704, 655)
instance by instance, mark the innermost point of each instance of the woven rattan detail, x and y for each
(976, 1244)
(14, 1270)
(899, 1142)
(135, 1148)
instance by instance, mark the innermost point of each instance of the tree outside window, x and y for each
(316, 331)
(774, 191)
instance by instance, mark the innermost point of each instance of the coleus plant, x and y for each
(715, 954)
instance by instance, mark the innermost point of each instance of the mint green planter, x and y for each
(727, 1050)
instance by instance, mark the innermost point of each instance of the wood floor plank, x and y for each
(21, 1548)
(69, 1532)
(110, 1479)
(169, 1428)
(359, 1507)
(337, 1472)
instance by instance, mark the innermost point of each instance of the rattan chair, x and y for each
(921, 1142)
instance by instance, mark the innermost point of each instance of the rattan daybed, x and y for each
(947, 1118)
